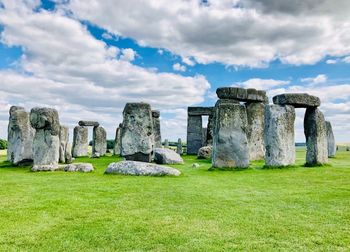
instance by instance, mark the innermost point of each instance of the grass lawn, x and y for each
(292, 209)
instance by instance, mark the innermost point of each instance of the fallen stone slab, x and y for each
(297, 100)
(51, 167)
(79, 167)
(167, 156)
(89, 123)
(242, 94)
(205, 152)
(137, 168)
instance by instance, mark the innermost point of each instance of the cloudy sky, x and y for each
(87, 58)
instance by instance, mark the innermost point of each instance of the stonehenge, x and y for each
(20, 137)
(255, 130)
(64, 139)
(80, 142)
(156, 129)
(116, 149)
(179, 147)
(330, 140)
(99, 142)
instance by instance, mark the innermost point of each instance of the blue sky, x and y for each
(87, 58)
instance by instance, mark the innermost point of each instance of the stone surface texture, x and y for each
(298, 100)
(255, 130)
(89, 123)
(156, 129)
(167, 156)
(140, 169)
(137, 139)
(99, 141)
(205, 152)
(46, 142)
(230, 144)
(279, 135)
(179, 147)
(79, 167)
(194, 134)
(64, 139)
(332, 148)
(80, 141)
(116, 149)
(241, 94)
(20, 137)
(315, 130)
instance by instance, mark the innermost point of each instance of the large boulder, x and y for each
(80, 141)
(316, 137)
(255, 130)
(297, 100)
(230, 144)
(279, 135)
(205, 152)
(64, 138)
(137, 138)
(156, 129)
(46, 144)
(20, 137)
(241, 94)
(140, 169)
(167, 156)
(332, 148)
(99, 142)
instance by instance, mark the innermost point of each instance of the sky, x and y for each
(87, 58)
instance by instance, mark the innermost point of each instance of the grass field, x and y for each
(292, 209)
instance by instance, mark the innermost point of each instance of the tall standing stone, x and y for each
(255, 130)
(332, 148)
(279, 135)
(116, 149)
(210, 132)
(20, 137)
(80, 142)
(166, 143)
(230, 144)
(156, 129)
(64, 139)
(137, 138)
(194, 133)
(316, 137)
(46, 144)
(99, 142)
(179, 147)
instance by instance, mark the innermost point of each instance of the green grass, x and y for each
(291, 209)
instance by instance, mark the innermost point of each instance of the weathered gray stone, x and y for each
(51, 167)
(279, 135)
(194, 134)
(241, 94)
(230, 145)
(96, 155)
(210, 130)
(255, 130)
(64, 138)
(200, 111)
(316, 137)
(99, 142)
(80, 142)
(46, 144)
(297, 100)
(166, 143)
(68, 154)
(20, 137)
(156, 129)
(179, 147)
(89, 123)
(140, 169)
(137, 137)
(166, 156)
(204, 136)
(332, 148)
(79, 167)
(116, 149)
(205, 152)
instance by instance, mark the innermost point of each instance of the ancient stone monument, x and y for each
(166, 143)
(80, 141)
(156, 129)
(64, 139)
(116, 149)
(46, 142)
(137, 139)
(20, 137)
(195, 136)
(179, 147)
(99, 142)
(332, 148)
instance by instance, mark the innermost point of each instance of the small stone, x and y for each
(79, 167)
(140, 169)
(167, 156)
(195, 165)
(205, 152)
(297, 100)
(179, 147)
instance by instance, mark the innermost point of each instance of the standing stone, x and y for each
(46, 145)
(68, 156)
(194, 134)
(179, 147)
(332, 148)
(255, 130)
(80, 142)
(137, 132)
(20, 137)
(64, 138)
(204, 136)
(166, 143)
(279, 135)
(210, 130)
(116, 149)
(99, 141)
(316, 137)
(156, 129)
(230, 144)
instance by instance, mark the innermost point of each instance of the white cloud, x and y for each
(65, 67)
(239, 32)
(188, 61)
(346, 59)
(179, 67)
(321, 78)
(128, 54)
(262, 83)
(331, 61)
